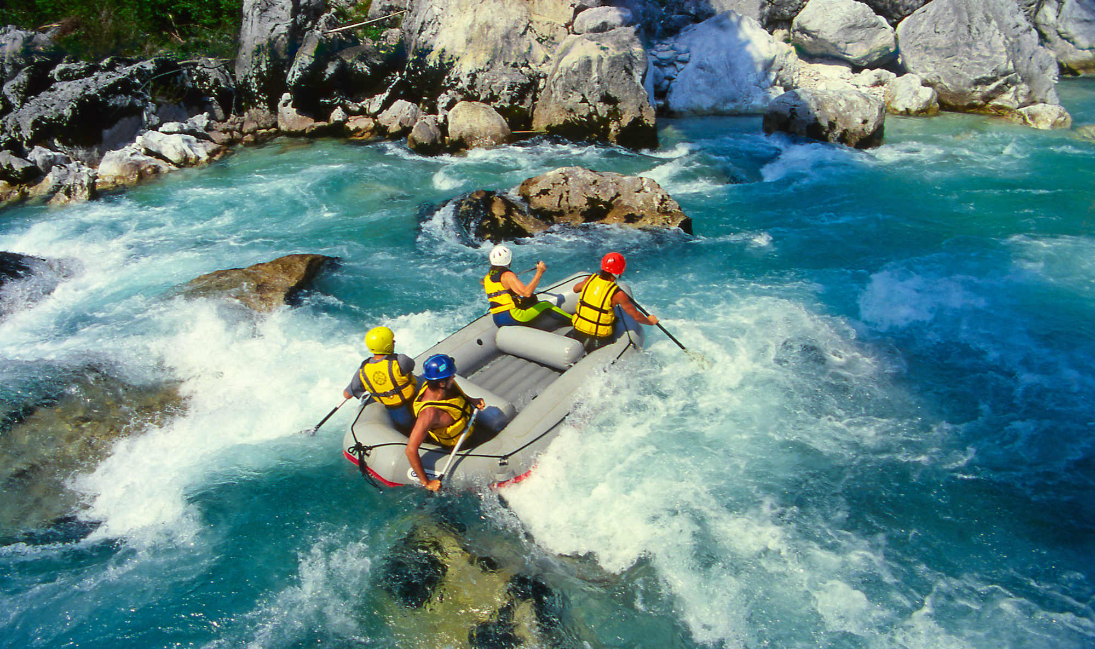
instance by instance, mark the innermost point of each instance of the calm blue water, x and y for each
(893, 448)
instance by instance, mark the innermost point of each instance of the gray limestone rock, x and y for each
(846, 30)
(426, 137)
(595, 91)
(907, 95)
(979, 55)
(843, 117)
(473, 124)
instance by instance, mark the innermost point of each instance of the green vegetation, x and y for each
(95, 29)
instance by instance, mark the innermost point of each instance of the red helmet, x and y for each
(613, 263)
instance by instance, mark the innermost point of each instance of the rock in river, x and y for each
(575, 195)
(261, 287)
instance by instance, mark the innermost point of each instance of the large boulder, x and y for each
(979, 55)
(493, 51)
(846, 30)
(473, 125)
(1068, 29)
(595, 91)
(575, 196)
(727, 64)
(844, 117)
(399, 118)
(262, 287)
(490, 216)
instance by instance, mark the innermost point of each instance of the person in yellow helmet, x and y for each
(388, 377)
(598, 296)
(512, 302)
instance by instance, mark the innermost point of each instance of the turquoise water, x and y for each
(893, 448)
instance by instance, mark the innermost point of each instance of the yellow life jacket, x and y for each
(594, 315)
(458, 407)
(387, 383)
(499, 297)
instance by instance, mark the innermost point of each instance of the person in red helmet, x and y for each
(598, 295)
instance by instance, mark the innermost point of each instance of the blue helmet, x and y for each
(438, 367)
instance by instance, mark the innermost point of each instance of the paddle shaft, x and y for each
(659, 325)
(329, 415)
(459, 443)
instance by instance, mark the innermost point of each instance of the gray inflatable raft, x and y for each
(528, 378)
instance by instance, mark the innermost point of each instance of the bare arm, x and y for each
(426, 419)
(623, 300)
(514, 283)
(580, 285)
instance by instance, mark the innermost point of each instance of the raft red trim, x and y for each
(374, 474)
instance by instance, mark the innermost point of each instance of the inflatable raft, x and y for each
(528, 378)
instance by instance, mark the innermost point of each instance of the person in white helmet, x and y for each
(512, 302)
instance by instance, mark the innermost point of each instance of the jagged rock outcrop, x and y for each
(979, 55)
(894, 11)
(473, 125)
(399, 119)
(262, 287)
(492, 51)
(843, 117)
(727, 64)
(595, 91)
(490, 216)
(1068, 30)
(846, 30)
(576, 196)
(270, 35)
(14, 169)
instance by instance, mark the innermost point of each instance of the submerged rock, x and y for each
(436, 592)
(575, 196)
(261, 287)
(42, 446)
(25, 280)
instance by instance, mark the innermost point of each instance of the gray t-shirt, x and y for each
(358, 389)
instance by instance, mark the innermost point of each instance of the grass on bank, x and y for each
(96, 29)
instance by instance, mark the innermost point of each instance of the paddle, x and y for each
(459, 443)
(696, 356)
(312, 431)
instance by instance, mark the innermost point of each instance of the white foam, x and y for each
(668, 463)
(894, 299)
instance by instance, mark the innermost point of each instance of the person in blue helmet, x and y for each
(442, 413)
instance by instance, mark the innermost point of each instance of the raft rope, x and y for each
(503, 460)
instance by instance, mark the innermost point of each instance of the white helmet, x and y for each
(500, 255)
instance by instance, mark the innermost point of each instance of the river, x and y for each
(891, 444)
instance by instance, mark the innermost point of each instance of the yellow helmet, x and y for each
(380, 340)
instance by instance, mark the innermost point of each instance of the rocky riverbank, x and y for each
(453, 74)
